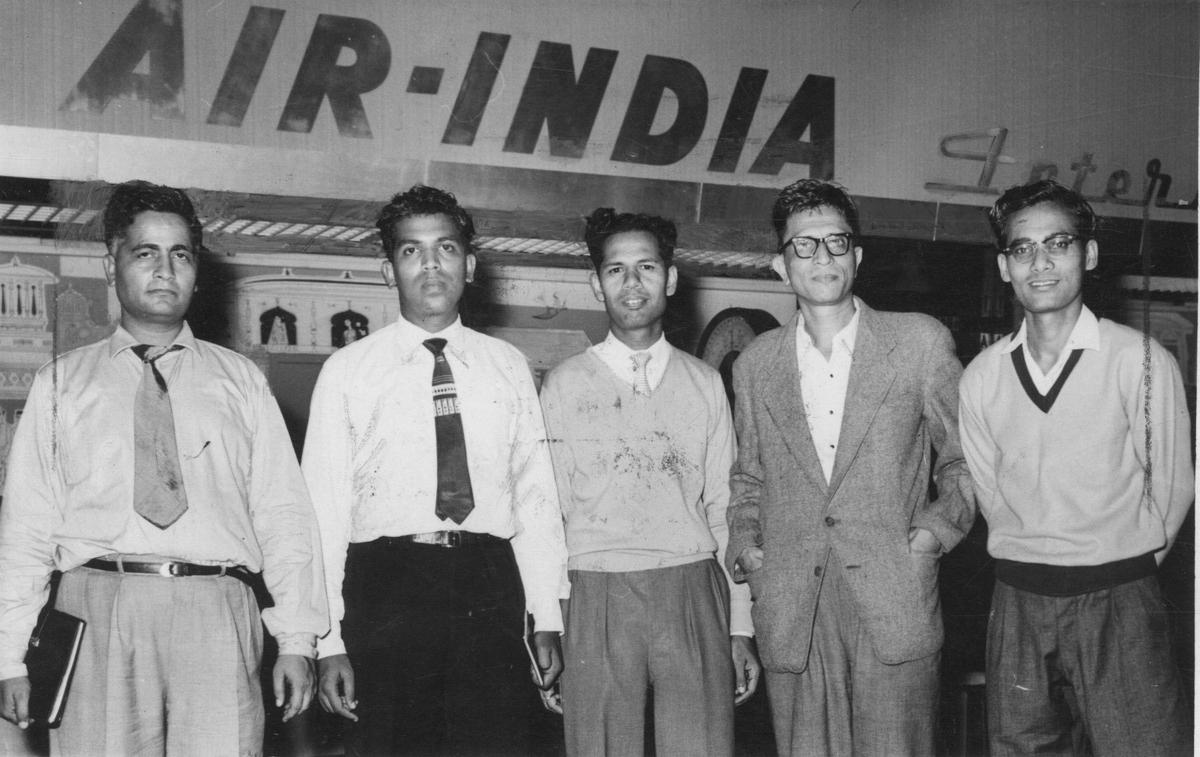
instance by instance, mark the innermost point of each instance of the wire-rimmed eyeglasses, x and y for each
(1055, 245)
(805, 247)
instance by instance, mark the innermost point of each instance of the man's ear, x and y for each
(470, 262)
(594, 280)
(110, 268)
(1091, 255)
(779, 265)
(672, 280)
(1002, 261)
(389, 273)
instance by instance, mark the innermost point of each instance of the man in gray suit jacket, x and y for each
(830, 520)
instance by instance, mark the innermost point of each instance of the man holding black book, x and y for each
(154, 470)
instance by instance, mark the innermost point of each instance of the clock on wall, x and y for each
(727, 334)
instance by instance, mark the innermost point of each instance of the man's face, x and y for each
(633, 283)
(1046, 282)
(430, 266)
(153, 267)
(822, 279)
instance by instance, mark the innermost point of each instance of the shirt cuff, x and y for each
(16, 670)
(547, 616)
(330, 645)
(740, 622)
(300, 643)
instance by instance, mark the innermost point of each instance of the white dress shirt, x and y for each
(823, 386)
(370, 457)
(619, 357)
(69, 493)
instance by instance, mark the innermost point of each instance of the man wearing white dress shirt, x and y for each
(157, 534)
(427, 462)
(1077, 434)
(838, 414)
(642, 440)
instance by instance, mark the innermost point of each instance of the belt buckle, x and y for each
(454, 539)
(170, 570)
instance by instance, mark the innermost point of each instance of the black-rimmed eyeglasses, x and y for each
(1055, 245)
(805, 247)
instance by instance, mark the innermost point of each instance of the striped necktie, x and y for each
(641, 378)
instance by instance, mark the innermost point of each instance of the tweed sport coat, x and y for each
(902, 399)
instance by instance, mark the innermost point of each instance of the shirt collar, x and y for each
(1085, 334)
(846, 338)
(660, 351)
(411, 338)
(122, 340)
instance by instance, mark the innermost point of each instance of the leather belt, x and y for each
(165, 569)
(448, 539)
(173, 569)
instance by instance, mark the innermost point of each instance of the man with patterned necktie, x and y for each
(426, 458)
(1077, 435)
(642, 440)
(155, 471)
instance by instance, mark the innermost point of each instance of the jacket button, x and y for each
(830, 520)
(817, 571)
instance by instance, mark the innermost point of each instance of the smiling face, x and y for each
(153, 267)
(634, 283)
(1047, 283)
(823, 279)
(430, 266)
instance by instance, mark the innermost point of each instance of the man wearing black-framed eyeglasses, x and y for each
(837, 414)
(1077, 435)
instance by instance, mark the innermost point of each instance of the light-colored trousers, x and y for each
(662, 633)
(848, 703)
(169, 666)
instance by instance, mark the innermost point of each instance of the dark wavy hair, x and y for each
(604, 222)
(1019, 198)
(810, 194)
(421, 200)
(134, 197)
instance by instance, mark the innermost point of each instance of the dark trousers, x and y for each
(1090, 674)
(434, 636)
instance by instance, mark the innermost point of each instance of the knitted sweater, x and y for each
(1065, 487)
(643, 480)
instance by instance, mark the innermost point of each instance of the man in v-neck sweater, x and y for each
(642, 442)
(1084, 473)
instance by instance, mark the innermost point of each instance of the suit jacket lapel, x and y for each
(785, 405)
(871, 375)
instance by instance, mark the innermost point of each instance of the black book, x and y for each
(50, 660)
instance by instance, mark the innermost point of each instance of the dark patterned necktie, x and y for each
(454, 497)
(158, 493)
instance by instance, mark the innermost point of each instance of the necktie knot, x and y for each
(148, 353)
(435, 346)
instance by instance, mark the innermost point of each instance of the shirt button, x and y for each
(830, 520)
(817, 571)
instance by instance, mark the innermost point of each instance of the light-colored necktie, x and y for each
(641, 379)
(158, 493)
